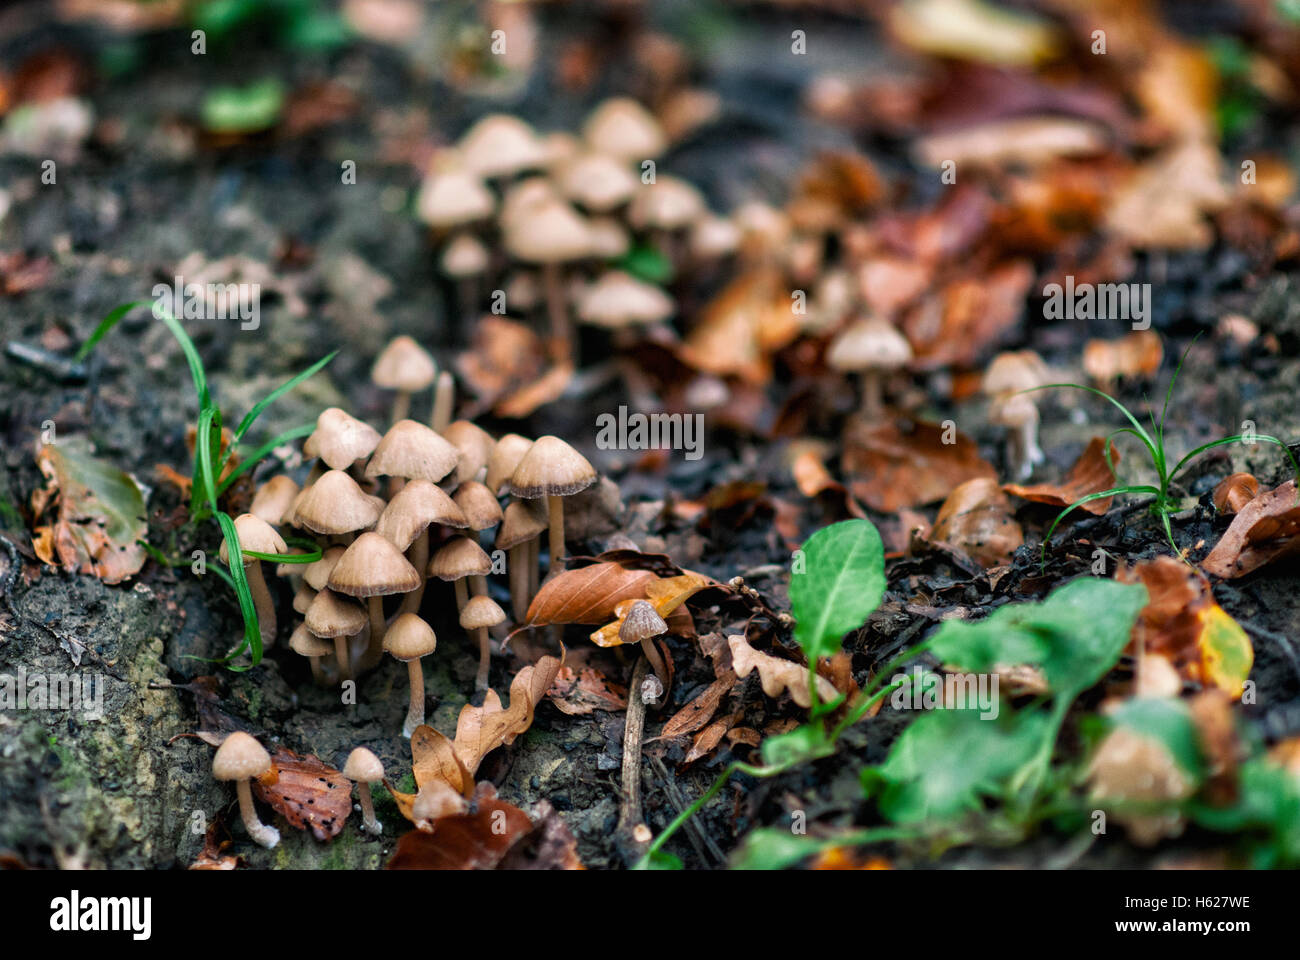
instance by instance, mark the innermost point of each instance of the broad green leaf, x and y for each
(837, 579)
(806, 742)
(646, 263)
(774, 848)
(1266, 814)
(247, 109)
(659, 860)
(1075, 636)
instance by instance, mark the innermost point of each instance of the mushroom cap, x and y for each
(519, 524)
(465, 256)
(254, 534)
(507, 453)
(478, 504)
(598, 182)
(409, 638)
(500, 145)
(303, 596)
(1013, 371)
(317, 575)
(453, 198)
(335, 504)
(404, 365)
(436, 800)
(330, 615)
(525, 198)
(362, 766)
(240, 757)
(306, 644)
(618, 299)
(641, 622)
(552, 232)
(418, 504)
(459, 557)
(551, 468)
(413, 451)
(713, 237)
(669, 203)
(340, 439)
(869, 345)
(272, 500)
(623, 128)
(473, 443)
(373, 567)
(1013, 410)
(609, 240)
(481, 611)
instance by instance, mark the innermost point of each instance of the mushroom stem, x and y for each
(651, 652)
(260, 832)
(534, 567)
(462, 595)
(415, 712)
(419, 557)
(401, 406)
(484, 659)
(368, 820)
(557, 309)
(555, 510)
(377, 628)
(261, 603)
(1029, 448)
(317, 676)
(871, 396)
(444, 395)
(344, 658)
(517, 560)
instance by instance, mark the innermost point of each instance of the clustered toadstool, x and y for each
(241, 758)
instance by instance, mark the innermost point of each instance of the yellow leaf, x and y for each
(665, 595)
(1226, 653)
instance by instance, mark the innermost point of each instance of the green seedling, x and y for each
(211, 462)
(1164, 504)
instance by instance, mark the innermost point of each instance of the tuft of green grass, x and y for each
(1163, 505)
(207, 483)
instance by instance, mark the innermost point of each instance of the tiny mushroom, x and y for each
(406, 367)
(479, 614)
(405, 523)
(478, 504)
(331, 617)
(500, 146)
(241, 758)
(370, 569)
(458, 558)
(335, 505)
(412, 451)
(1005, 382)
(272, 500)
(871, 348)
(257, 535)
(409, 639)
(518, 536)
(622, 128)
(506, 454)
(306, 644)
(618, 301)
(554, 470)
(551, 234)
(363, 768)
(474, 446)
(453, 198)
(641, 624)
(340, 439)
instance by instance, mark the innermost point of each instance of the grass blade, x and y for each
(274, 395)
(260, 454)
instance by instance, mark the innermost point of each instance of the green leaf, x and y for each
(247, 109)
(806, 742)
(947, 760)
(1167, 720)
(774, 848)
(836, 581)
(646, 263)
(1266, 814)
(659, 860)
(1075, 636)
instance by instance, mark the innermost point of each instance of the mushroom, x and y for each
(363, 768)
(340, 439)
(554, 470)
(257, 535)
(335, 505)
(409, 639)
(371, 569)
(333, 618)
(619, 301)
(499, 146)
(272, 500)
(412, 451)
(473, 444)
(597, 182)
(460, 557)
(506, 454)
(641, 624)
(667, 205)
(609, 239)
(303, 597)
(479, 614)
(306, 644)
(241, 758)
(453, 198)
(871, 348)
(478, 504)
(622, 128)
(1006, 381)
(405, 523)
(406, 367)
(551, 234)
(464, 259)
(520, 528)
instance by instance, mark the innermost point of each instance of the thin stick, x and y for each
(629, 796)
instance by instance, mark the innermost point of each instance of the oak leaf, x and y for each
(778, 675)
(1090, 474)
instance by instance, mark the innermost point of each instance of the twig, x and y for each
(629, 799)
(699, 838)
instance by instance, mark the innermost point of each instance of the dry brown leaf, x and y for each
(480, 730)
(547, 388)
(1166, 201)
(778, 675)
(725, 340)
(213, 855)
(707, 740)
(587, 594)
(1136, 355)
(1234, 492)
(585, 692)
(891, 468)
(472, 841)
(699, 711)
(976, 519)
(1090, 474)
(665, 595)
(306, 792)
(961, 322)
(434, 759)
(502, 353)
(1263, 530)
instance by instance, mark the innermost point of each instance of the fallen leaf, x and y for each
(587, 594)
(778, 675)
(550, 845)
(472, 841)
(213, 855)
(976, 519)
(434, 758)
(975, 30)
(585, 692)
(502, 353)
(1234, 492)
(1166, 201)
(968, 316)
(1262, 531)
(1090, 474)
(707, 740)
(480, 730)
(1134, 356)
(665, 595)
(1019, 141)
(891, 468)
(547, 388)
(306, 792)
(699, 711)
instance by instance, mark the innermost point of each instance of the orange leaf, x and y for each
(306, 792)
(587, 594)
(891, 467)
(1090, 474)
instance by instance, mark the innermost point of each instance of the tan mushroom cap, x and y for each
(240, 757)
(474, 445)
(550, 233)
(404, 365)
(618, 299)
(413, 508)
(273, 499)
(870, 344)
(459, 557)
(330, 615)
(409, 638)
(478, 504)
(362, 766)
(1013, 410)
(667, 204)
(519, 524)
(254, 534)
(317, 575)
(623, 128)
(335, 505)
(598, 182)
(340, 439)
(507, 453)
(413, 451)
(306, 644)
(453, 198)
(609, 240)
(500, 145)
(465, 256)
(373, 567)
(551, 468)
(1013, 371)
(525, 198)
(641, 623)
(303, 597)
(713, 237)
(481, 611)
